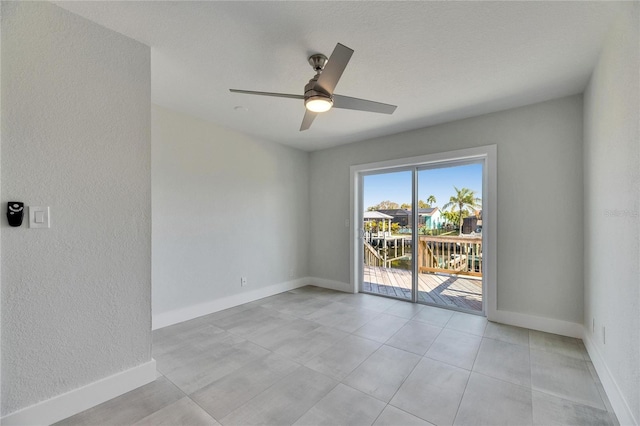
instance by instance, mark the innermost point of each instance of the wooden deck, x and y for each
(447, 290)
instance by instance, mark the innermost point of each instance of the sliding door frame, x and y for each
(485, 154)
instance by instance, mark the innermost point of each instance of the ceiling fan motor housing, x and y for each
(311, 90)
(315, 99)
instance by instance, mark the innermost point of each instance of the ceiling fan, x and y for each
(318, 93)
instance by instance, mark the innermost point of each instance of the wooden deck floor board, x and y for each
(461, 292)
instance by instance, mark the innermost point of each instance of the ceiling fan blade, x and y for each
(277, 95)
(309, 116)
(346, 102)
(334, 68)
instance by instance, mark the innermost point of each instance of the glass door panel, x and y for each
(387, 264)
(449, 240)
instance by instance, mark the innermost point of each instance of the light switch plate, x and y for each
(39, 217)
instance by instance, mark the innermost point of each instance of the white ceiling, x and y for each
(438, 61)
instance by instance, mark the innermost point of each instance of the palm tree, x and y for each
(451, 217)
(464, 198)
(431, 200)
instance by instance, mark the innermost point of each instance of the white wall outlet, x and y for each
(292, 273)
(604, 335)
(243, 281)
(346, 223)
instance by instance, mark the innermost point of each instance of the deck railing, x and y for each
(453, 255)
(459, 255)
(371, 256)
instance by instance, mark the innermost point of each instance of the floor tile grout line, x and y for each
(404, 380)
(471, 371)
(564, 398)
(407, 376)
(533, 411)
(504, 381)
(380, 413)
(475, 358)
(365, 359)
(432, 342)
(498, 378)
(571, 401)
(317, 402)
(261, 392)
(495, 339)
(447, 363)
(188, 396)
(362, 362)
(369, 356)
(466, 385)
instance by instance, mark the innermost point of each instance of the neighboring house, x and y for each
(426, 217)
(400, 216)
(471, 224)
(430, 218)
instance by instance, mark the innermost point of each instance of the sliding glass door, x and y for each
(421, 234)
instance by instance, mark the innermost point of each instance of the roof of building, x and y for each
(427, 212)
(396, 212)
(376, 215)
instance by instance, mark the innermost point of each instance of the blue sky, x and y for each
(396, 186)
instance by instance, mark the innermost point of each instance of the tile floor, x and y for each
(313, 356)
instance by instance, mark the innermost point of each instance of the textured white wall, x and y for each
(75, 137)
(225, 205)
(539, 171)
(612, 206)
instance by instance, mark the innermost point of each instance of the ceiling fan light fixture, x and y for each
(319, 93)
(318, 103)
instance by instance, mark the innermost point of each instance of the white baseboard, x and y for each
(75, 401)
(330, 284)
(176, 316)
(548, 325)
(617, 400)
